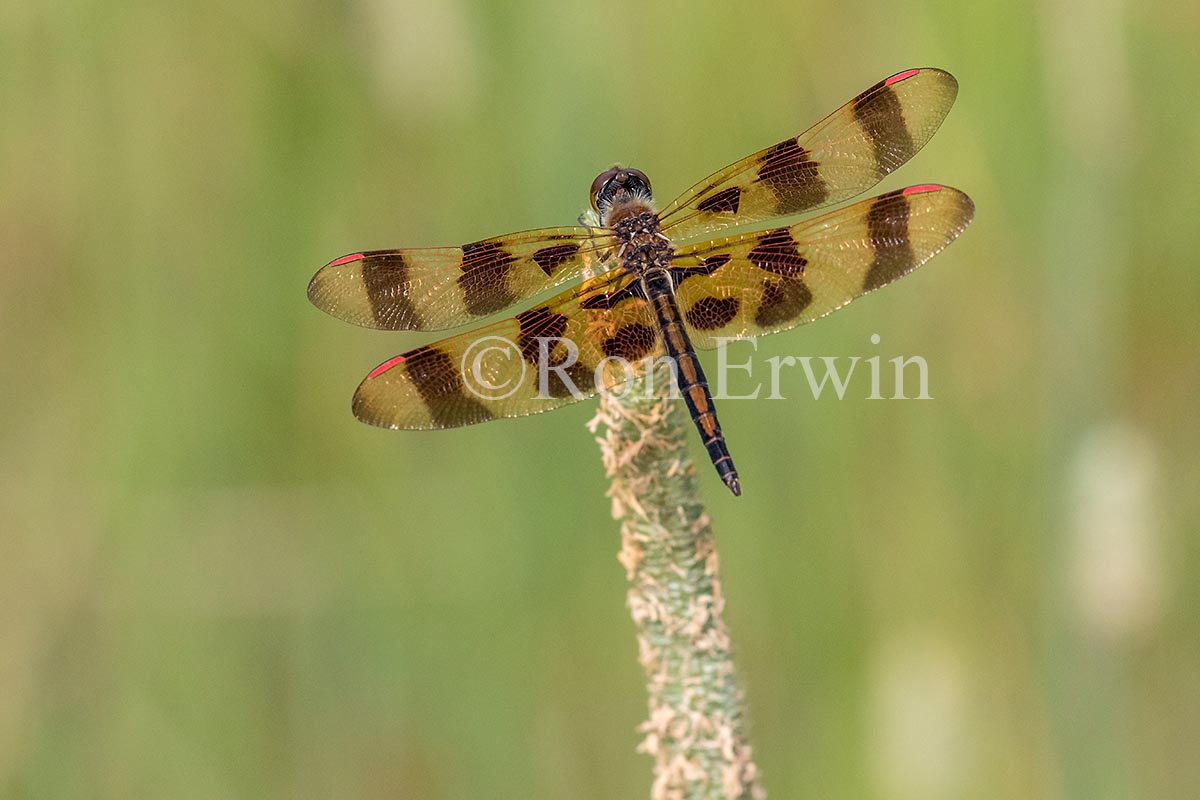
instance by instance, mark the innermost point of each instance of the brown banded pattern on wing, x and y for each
(844, 154)
(460, 381)
(768, 281)
(443, 287)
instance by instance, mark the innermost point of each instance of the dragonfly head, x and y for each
(616, 191)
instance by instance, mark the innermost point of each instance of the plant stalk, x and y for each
(695, 731)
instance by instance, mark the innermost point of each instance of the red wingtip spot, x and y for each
(924, 187)
(901, 76)
(385, 366)
(337, 262)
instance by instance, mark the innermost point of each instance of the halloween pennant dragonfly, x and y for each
(657, 284)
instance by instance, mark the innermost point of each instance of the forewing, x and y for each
(497, 371)
(844, 154)
(443, 287)
(761, 283)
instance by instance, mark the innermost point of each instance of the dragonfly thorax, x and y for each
(643, 245)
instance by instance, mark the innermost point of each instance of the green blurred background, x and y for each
(215, 583)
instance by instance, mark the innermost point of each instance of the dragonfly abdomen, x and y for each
(690, 375)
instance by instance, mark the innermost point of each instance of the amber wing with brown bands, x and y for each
(444, 287)
(841, 156)
(439, 385)
(769, 281)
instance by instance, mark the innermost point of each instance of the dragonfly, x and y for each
(713, 265)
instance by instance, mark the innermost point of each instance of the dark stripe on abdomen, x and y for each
(690, 377)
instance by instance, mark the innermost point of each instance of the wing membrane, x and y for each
(495, 372)
(844, 154)
(769, 281)
(443, 287)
